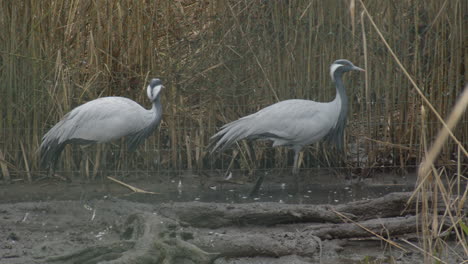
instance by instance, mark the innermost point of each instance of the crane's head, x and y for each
(341, 66)
(154, 88)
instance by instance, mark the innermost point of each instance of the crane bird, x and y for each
(294, 123)
(102, 120)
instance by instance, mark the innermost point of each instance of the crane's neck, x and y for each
(154, 115)
(341, 96)
(156, 111)
(337, 133)
(157, 106)
(152, 118)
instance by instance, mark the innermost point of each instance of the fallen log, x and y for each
(215, 215)
(386, 227)
(272, 243)
(390, 205)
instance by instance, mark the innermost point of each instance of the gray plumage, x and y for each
(294, 123)
(102, 120)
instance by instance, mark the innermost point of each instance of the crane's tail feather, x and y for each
(52, 143)
(50, 150)
(229, 134)
(55, 140)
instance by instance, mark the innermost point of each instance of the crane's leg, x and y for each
(297, 178)
(51, 171)
(252, 155)
(235, 152)
(253, 170)
(52, 167)
(257, 186)
(97, 161)
(296, 162)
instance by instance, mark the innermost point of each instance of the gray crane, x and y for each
(294, 123)
(102, 120)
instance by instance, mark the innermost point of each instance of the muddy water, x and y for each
(314, 188)
(50, 218)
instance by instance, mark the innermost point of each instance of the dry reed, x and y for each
(224, 59)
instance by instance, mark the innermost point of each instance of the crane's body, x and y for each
(294, 123)
(102, 120)
(93, 121)
(287, 123)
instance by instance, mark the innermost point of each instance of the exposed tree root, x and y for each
(146, 238)
(202, 232)
(96, 254)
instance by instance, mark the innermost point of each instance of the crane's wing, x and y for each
(291, 122)
(103, 120)
(100, 120)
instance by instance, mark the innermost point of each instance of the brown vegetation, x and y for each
(222, 60)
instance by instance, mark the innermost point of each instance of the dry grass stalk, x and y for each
(26, 163)
(430, 181)
(423, 251)
(5, 172)
(133, 188)
(453, 120)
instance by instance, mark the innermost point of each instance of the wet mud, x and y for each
(57, 222)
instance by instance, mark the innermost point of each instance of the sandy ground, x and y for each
(52, 218)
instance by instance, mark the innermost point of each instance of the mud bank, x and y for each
(111, 230)
(75, 223)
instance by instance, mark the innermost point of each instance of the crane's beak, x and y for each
(356, 68)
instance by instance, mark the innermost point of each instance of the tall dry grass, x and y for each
(437, 187)
(221, 60)
(441, 195)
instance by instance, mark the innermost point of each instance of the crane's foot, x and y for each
(258, 184)
(62, 178)
(52, 175)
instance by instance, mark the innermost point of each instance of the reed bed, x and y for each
(224, 59)
(221, 60)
